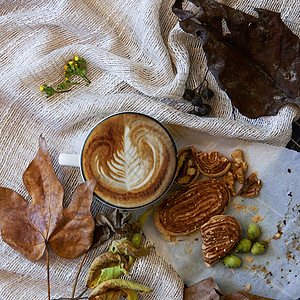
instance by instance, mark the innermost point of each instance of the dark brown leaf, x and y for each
(256, 61)
(243, 295)
(206, 289)
(29, 227)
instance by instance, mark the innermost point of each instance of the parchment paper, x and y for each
(274, 274)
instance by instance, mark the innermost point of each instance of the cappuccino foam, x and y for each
(133, 158)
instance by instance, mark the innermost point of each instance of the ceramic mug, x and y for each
(133, 157)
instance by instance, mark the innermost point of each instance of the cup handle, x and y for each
(72, 160)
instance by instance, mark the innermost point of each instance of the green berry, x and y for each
(259, 248)
(231, 261)
(253, 232)
(243, 246)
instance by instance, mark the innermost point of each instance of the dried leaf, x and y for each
(206, 289)
(105, 260)
(243, 295)
(125, 247)
(256, 61)
(29, 227)
(116, 285)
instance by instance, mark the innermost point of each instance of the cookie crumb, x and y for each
(253, 208)
(257, 218)
(277, 236)
(248, 287)
(249, 258)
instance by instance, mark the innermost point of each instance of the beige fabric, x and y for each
(138, 59)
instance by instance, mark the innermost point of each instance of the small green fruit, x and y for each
(253, 232)
(231, 261)
(259, 248)
(243, 246)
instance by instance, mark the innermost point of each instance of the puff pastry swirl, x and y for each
(219, 235)
(186, 210)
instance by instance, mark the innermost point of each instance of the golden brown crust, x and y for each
(219, 235)
(213, 164)
(185, 211)
(238, 165)
(251, 186)
(188, 168)
(228, 178)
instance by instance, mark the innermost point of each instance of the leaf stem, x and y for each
(78, 273)
(48, 271)
(86, 79)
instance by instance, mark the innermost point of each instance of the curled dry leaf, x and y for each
(126, 247)
(116, 285)
(30, 227)
(105, 260)
(255, 60)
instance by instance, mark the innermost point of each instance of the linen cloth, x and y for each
(138, 59)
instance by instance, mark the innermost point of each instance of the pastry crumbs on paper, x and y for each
(253, 208)
(190, 250)
(268, 240)
(239, 207)
(248, 287)
(277, 236)
(257, 218)
(248, 258)
(175, 243)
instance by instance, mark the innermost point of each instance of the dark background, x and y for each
(294, 143)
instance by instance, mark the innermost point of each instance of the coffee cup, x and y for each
(133, 157)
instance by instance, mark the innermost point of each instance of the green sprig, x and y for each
(75, 67)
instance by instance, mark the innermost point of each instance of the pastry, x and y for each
(238, 165)
(213, 164)
(187, 169)
(186, 210)
(219, 235)
(251, 186)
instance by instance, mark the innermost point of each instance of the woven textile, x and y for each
(138, 59)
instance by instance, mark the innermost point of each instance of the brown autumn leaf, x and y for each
(30, 227)
(255, 60)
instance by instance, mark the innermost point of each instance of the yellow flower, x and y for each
(41, 88)
(76, 58)
(66, 67)
(66, 79)
(75, 65)
(64, 72)
(71, 62)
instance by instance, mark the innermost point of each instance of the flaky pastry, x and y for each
(187, 169)
(185, 211)
(251, 187)
(219, 235)
(238, 165)
(213, 164)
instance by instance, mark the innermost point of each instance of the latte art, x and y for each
(133, 158)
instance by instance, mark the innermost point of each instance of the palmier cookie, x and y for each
(219, 235)
(187, 169)
(185, 211)
(213, 164)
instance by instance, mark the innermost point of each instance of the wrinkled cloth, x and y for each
(138, 59)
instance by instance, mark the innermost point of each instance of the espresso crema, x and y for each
(133, 157)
